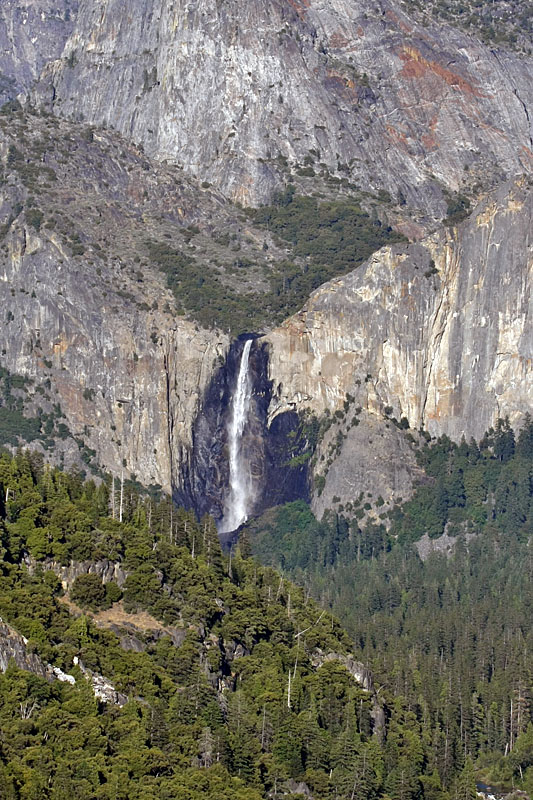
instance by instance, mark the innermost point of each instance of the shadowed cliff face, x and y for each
(227, 88)
(203, 482)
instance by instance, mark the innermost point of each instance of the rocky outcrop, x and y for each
(444, 545)
(362, 674)
(13, 649)
(439, 332)
(364, 677)
(103, 689)
(363, 462)
(128, 381)
(226, 89)
(67, 574)
(31, 35)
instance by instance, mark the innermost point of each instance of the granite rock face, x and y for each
(13, 648)
(226, 89)
(128, 381)
(85, 318)
(439, 333)
(369, 463)
(105, 569)
(31, 35)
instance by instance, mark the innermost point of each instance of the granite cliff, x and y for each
(234, 92)
(439, 333)
(89, 323)
(215, 102)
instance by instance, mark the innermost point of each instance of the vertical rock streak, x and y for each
(240, 483)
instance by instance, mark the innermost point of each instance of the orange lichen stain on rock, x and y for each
(300, 6)
(528, 153)
(416, 66)
(429, 140)
(338, 41)
(346, 87)
(397, 136)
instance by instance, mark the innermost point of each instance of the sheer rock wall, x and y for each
(439, 332)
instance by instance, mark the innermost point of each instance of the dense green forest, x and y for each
(451, 634)
(232, 697)
(244, 706)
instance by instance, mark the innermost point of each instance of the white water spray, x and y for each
(240, 479)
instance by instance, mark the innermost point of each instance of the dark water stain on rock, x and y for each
(269, 452)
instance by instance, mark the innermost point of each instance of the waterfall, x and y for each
(240, 479)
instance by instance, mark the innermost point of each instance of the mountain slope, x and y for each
(438, 593)
(246, 690)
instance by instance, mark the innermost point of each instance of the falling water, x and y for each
(240, 483)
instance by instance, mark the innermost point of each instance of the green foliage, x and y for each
(451, 634)
(336, 235)
(16, 426)
(212, 716)
(474, 487)
(202, 293)
(209, 717)
(458, 209)
(506, 23)
(88, 591)
(325, 239)
(34, 217)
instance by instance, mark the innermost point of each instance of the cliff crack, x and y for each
(436, 337)
(517, 95)
(526, 112)
(169, 414)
